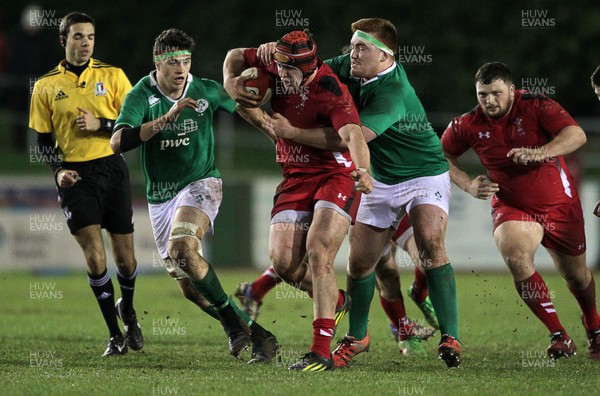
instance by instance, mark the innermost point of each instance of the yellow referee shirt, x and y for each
(100, 89)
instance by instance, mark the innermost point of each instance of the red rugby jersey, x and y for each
(325, 102)
(532, 122)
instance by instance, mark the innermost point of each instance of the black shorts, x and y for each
(102, 196)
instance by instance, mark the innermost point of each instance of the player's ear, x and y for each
(63, 40)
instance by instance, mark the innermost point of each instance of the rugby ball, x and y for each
(260, 83)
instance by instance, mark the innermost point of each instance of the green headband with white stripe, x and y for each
(359, 34)
(166, 55)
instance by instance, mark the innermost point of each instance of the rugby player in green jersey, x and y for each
(169, 115)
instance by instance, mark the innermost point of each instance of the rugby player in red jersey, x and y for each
(521, 139)
(317, 200)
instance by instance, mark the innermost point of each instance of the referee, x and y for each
(73, 108)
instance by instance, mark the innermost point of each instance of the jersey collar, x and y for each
(63, 69)
(364, 82)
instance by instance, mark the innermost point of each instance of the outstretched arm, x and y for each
(352, 136)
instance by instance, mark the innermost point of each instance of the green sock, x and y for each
(442, 292)
(212, 311)
(210, 287)
(361, 292)
(243, 315)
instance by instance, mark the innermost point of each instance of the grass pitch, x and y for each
(52, 337)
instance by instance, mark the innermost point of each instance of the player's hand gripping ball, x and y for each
(260, 83)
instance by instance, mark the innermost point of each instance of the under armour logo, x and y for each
(486, 134)
(342, 197)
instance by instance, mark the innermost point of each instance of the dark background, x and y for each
(459, 37)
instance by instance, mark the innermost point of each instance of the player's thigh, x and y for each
(327, 231)
(517, 240)
(199, 203)
(287, 245)
(429, 230)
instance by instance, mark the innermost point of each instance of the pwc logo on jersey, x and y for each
(181, 129)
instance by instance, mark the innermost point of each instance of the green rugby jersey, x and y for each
(183, 151)
(406, 146)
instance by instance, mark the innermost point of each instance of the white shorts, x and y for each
(204, 194)
(385, 206)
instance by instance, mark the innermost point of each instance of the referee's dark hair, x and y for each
(492, 71)
(71, 19)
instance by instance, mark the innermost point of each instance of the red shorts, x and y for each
(403, 232)
(563, 224)
(301, 192)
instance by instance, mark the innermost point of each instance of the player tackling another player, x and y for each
(169, 114)
(316, 201)
(521, 139)
(410, 176)
(77, 103)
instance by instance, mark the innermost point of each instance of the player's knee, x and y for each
(96, 263)
(180, 251)
(173, 270)
(432, 248)
(281, 260)
(126, 264)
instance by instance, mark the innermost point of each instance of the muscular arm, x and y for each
(567, 141)
(256, 117)
(481, 187)
(233, 66)
(352, 136)
(321, 138)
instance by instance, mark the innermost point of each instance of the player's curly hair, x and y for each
(382, 29)
(492, 71)
(596, 77)
(172, 40)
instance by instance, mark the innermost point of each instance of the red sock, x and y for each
(322, 335)
(419, 292)
(587, 301)
(267, 281)
(534, 292)
(394, 310)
